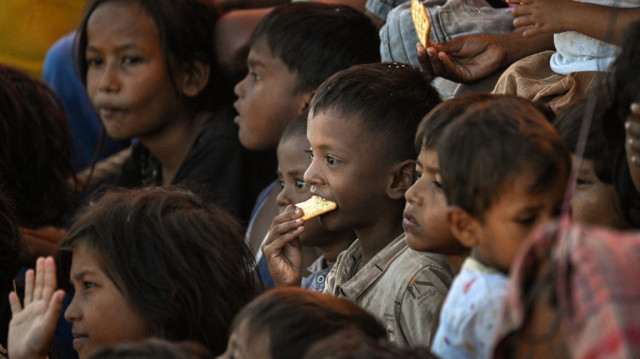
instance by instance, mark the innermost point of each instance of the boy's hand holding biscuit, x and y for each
(282, 251)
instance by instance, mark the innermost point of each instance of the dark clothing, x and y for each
(212, 168)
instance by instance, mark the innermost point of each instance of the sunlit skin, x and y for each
(516, 213)
(99, 312)
(247, 344)
(351, 169)
(425, 214)
(267, 99)
(595, 202)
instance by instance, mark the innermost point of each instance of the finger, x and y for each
(14, 302)
(635, 108)
(423, 58)
(285, 227)
(49, 277)
(28, 287)
(523, 21)
(275, 247)
(53, 311)
(632, 127)
(39, 279)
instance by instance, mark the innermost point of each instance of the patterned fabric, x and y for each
(593, 275)
(318, 277)
(401, 287)
(471, 312)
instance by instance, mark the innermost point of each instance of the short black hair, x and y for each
(432, 126)
(179, 262)
(389, 99)
(293, 319)
(496, 139)
(296, 128)
(315, 40)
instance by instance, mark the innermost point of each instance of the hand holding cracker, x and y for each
(282, 250)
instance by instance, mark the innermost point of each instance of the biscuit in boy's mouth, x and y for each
(316, 206)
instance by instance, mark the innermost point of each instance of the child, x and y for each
(504, 169)
(293, 160)
(149, 71)
(283, 323)
(154, 348)
(425, 215)
(36, 174)
(292, 50)
(154, 262)
(361, 128)
(596, 199)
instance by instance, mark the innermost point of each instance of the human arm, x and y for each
(32, 327)
(282, 250)
(632, 126)
(467, 59)
(555, 16)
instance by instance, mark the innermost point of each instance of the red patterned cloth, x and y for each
(594, 276)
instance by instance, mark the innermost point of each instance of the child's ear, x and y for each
(402, 179)
(194, 78)
(305, 101)
(463, 226)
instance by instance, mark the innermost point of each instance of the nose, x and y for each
(412, 193)
(283, 199)
(238, 89)
(73, 312)
(109, 79)
(312, 175)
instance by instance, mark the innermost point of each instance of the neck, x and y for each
(171, 145)
(455, 261)
(374, 238)
(340, 242)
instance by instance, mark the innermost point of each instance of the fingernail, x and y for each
(627, 124)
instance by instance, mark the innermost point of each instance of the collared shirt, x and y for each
(318, 277)
(401, 287)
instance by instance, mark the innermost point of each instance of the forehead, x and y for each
(260, 55)
(85, 259)
(122, 23)
(520, 192)
(329, 128)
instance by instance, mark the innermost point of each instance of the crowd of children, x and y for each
(492, 224)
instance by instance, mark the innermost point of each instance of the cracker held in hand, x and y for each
(315, 206)
(421, 21)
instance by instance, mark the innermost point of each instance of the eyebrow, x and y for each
(254, 63)
(119, 48)
(82, 274)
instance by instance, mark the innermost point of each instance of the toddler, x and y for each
(504, 170)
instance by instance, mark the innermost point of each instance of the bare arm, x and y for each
(555, 16)
(470, 58)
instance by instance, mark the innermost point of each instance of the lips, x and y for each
(409, 222)
(79, 340)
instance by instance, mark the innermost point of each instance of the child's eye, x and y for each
(254, 76)
(437, 184)
(281, 183)
(300, 184)
(94, 61)
(526, 221)
(583, 182)
(332, 161)
(416, 176)
(131, 60)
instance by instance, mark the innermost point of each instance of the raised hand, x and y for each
(542, 16)
(463, 59)
(282, 247)
(32, 326)
(632, 126)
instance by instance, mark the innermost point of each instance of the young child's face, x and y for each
(267, 101)
(127, 78)
(425, 214)
(516, 213)
(348, 167)
(293, 161)
(595, 202)
(99, 313)
(246, 344)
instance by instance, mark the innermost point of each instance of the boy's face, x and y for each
(595, 202)
(425, 214)
(516, 213)
(348, 167)
(293, 161)
(266, 100)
